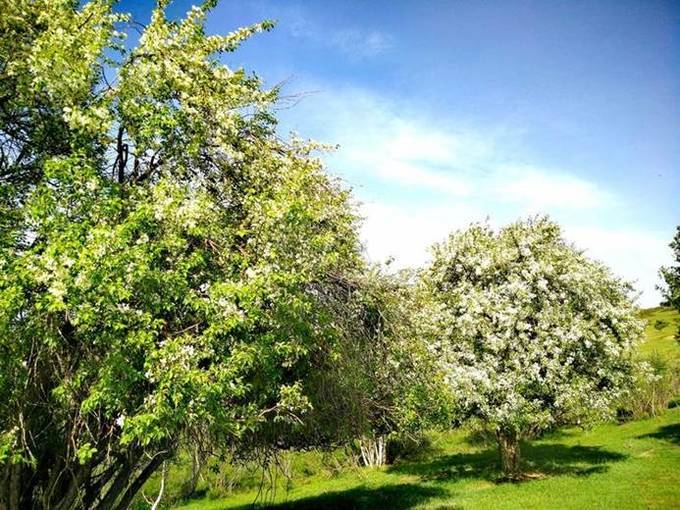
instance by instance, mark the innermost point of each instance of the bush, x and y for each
(656, 389)
(660, 324)
(408, 447)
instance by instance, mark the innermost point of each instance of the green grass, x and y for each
(634, 465)
(662, 325)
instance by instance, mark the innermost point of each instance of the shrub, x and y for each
(408, 447)
(657, 386)
(660, 324)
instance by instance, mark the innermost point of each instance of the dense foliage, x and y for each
(162, 252)
(671, 277)
(532, 333)
(383, 381)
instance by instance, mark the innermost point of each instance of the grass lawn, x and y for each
(634, 465)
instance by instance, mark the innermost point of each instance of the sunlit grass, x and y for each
(634, 465)
(660, 333)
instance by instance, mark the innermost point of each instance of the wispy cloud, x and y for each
(355, 43)
(540, 189)
(360, 43)
(443, 176)
(400, 152)
(389, 142)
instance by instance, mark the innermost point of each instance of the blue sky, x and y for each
(448, 112)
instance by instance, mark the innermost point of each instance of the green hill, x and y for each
(660, 333)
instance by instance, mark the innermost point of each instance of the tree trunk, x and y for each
(94, 485)
(373, 451)
(137, 483)
(157, 501)
(196, 465)
(508, 449)
(14, 489)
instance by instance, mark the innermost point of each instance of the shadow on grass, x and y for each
(392, 497)
(670, 433)
(545, 458)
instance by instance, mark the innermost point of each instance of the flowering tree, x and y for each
(161, 252)
(532, 333)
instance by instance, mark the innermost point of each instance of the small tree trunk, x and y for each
(508, 448)
(153, 505)
(373, 451)
(14, 487)
(196, 465)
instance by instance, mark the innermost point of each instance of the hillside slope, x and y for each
(661, 331)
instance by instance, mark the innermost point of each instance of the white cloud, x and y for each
(375, 140)
(422, 179)
(540, 189)
(400, 146)
(405, 156)
(406, 232)
(635, 255)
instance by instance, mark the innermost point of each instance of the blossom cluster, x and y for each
(530, 331)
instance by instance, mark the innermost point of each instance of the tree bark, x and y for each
(14, 487)
(196, 465)
(373, 451)
(119, 483)
(509, 451)
(141, 479)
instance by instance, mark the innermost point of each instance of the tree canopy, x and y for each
(671, 277)
(162, 251)
(532, 333)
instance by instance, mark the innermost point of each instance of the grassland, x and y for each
(632, 465)
(660, 333)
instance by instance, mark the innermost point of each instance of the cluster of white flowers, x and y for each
(530, 331)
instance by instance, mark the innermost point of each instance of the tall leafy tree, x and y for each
(671, 277)
(532, 333)
(162, 252)
(383, 380)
